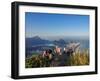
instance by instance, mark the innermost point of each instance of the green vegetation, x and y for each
(37, 61)
(77, 59)
(80, 58)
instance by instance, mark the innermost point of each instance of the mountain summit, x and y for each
(36, 38)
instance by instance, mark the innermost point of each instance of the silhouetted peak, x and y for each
(36, 38)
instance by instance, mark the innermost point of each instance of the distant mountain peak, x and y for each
(60, 41)
(37, 38)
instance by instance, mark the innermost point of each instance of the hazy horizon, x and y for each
(61, 37)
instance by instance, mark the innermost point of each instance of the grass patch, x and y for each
(77, 59)
(80, 58)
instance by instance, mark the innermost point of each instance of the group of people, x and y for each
(57, 57)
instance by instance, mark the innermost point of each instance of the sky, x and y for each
(53, 25)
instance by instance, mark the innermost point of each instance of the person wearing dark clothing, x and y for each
(48, 58)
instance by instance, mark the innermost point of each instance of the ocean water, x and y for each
(84, 41)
